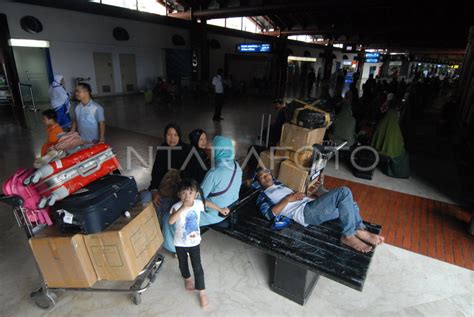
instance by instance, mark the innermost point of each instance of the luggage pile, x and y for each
(292, 160)
(95, 227)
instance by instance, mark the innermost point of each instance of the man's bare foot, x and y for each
(204, 299)
(371, 238)
(355, 243)
(188, 284)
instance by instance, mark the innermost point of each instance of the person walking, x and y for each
(218, 84)
(59, 98)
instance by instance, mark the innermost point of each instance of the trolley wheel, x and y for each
(137, 298)
(44, 299)
(152, 277)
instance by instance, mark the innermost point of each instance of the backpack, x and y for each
(14, 186)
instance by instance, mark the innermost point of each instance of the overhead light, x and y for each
(302, 59)
(28, 43)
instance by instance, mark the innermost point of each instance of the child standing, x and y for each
(185, 214)
(53, 129)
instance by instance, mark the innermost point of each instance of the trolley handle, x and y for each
(14, 201)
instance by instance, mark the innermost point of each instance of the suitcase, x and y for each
(14, 186)
(364, 161)
(96, 206)
(61, 178)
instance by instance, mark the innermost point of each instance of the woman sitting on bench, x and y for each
(276, 199)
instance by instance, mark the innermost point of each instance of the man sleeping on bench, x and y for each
(277, 199)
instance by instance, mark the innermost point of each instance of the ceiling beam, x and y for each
(243, 11)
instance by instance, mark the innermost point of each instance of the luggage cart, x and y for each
(46, 297)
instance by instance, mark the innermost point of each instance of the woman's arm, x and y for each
(224, 211)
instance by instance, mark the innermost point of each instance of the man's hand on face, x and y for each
(296, 197)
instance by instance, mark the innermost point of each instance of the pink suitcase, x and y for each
(14, 186)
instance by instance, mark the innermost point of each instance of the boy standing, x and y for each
(53, 129)
(185, 215)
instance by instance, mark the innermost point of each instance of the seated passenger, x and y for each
(220, 188)
(276, 199)
(170, 156)
(198, 162)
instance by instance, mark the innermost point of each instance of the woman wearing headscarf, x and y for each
(199, 161)
(59, 98)
(220, 188)
(169, 160)
(344, 127)
(222, 183)
(388, 141)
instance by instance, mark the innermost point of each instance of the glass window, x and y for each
(151, 6)
(217, 22)
(129, 4)
(249, 25)
(234, 23)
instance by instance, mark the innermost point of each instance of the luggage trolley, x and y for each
(46, 297)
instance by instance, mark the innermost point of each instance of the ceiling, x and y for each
(389, 23)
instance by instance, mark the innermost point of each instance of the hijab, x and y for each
(57, 94)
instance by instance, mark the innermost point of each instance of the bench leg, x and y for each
(292, 281)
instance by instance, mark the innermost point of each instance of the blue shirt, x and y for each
(88, 118)
(216, 180)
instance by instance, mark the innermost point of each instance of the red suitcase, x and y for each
(61, 178)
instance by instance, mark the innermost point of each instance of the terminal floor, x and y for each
(429, 227)
(401, 281)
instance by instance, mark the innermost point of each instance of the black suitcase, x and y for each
(363, 161)
(100, 203)
(310, 119)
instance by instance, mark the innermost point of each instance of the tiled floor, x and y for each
(429, 227)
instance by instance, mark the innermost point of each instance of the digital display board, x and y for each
(254, 48)
(372, 57)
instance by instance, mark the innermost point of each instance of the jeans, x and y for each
(337, 203)
(195, 255)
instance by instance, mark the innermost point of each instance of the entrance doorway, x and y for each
(104, 73)
(178, 66)
(32, 68)
(128, 71)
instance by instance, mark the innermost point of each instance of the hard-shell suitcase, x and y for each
(61, 178)
(96, 206)
(14, 186)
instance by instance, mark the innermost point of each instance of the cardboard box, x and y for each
(267, 162)
(297, 138)
(302, 158)
(63, 259)
(120, 252)
(293, 176)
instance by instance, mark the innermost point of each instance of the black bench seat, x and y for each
(301, 254)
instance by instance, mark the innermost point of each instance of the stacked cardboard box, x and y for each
(298, 144)
(117, 254)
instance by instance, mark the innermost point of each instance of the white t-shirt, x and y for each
(187, 232)
(295, 209)
(218, 85)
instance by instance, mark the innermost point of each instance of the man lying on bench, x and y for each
(277, 199)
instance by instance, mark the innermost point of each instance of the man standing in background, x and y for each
(218, 84)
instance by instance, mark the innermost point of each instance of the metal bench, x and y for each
(301, 254)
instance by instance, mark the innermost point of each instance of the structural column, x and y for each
(200, 51)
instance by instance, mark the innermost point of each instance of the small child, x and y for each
(185, 214)
(53, 129)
